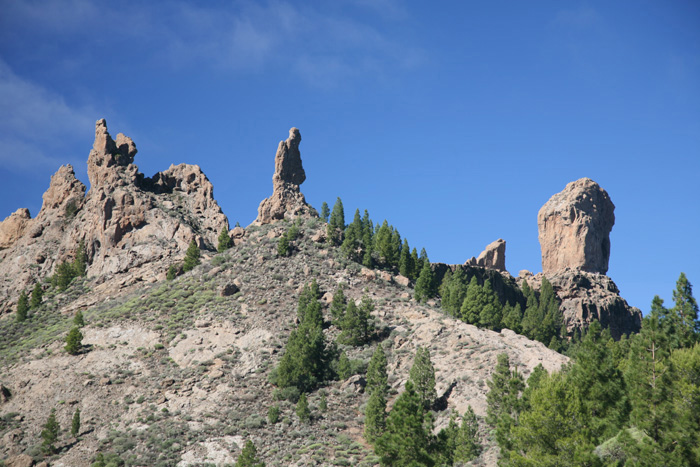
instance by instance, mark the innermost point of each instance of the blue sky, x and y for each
(454, 123)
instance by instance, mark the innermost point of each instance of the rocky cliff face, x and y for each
(574, 231)
(574, 228)
(287, 201)
(132, 226)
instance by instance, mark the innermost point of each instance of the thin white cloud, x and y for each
(236, 37)
(35, 123)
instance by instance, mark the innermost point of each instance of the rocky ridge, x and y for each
(132, 226)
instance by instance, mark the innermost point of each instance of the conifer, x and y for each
(49, 434)
(224, 241)
(375, 416)
(338, 305)
(249, 456)
(37, 296)
(80, 261)
(422, 376)
(172, 273)
(74, 341)
(191, 257)
(377, 377)
(325, 212)
(78, 319)
(22, 307)
(425, 285)
(467, 446)
(75, 423)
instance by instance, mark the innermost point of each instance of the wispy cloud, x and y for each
(34, 123)
(328, 38)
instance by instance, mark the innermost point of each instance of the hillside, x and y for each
(180, 371)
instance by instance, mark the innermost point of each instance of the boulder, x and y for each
(574, 229)
(286, 201)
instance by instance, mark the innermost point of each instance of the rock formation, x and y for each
(586, 297)
(574, 228)
(286, 201)
(574, 231)
(132, 226)
(493, 257)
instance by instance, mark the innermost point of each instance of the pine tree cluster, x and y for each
(631, 402)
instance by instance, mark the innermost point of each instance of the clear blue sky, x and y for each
(456, 123)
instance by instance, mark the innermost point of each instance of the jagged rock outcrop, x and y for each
(287, 201)
(574, 228)
(132, 225)
(586, 297)
(493, 256)
(12, 228)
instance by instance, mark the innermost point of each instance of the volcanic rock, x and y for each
(286, 201)
(587, 297)
(131, 225)
(493, 257)
(574, 228)
(13, 227)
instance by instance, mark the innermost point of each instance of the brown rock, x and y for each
(12, 228)
(286, 201)
(133, 226)
(401, 280)
(493, 257)
(22, 460)
(367, 274)
(574, 228)
(105, 381)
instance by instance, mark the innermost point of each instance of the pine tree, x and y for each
(344, 368)
(22, 307)
(78, 319)
(305, 360)
(454, 291)
(425, 285)
(49, 435)
(191, 257)
(503, 399)
(75, 424)
(467, 446)
(377, 377)
(323, 403)
(490, 309)
(225, 241)
(302, 409)
(353, 238)
(172, 273)
(512, 317)
(422, 376)
(283, 248)
(406, 438)
(338, 305)
(473, 300)
(375, 416)
(446, 443)
(273, 414)
(417, 265)
(325, 212)
(405, 263)
(74, 341)
(37, 296)
(249, 456)
(686, 310)
(80, 261)
(383, 245)
(336, 223)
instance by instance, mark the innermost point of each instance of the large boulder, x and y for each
(287, 201)
(12, 228)
(574, 229)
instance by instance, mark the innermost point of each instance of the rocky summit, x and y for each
(574, 228)
(184, 368)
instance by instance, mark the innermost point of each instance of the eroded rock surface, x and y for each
(574, 228)
(287, 201)
(493, 256)
(132, 225)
